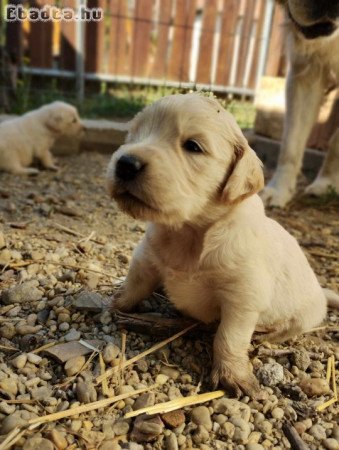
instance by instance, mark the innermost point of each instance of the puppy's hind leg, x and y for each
(142, 279)
(46, 160)
(17, 169)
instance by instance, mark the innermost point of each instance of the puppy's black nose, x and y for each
(128, 167)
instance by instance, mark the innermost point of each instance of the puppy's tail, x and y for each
(332, 298)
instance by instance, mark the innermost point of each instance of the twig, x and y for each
(136, 358)
(76, 233)
(293, 437)
(122, 357)
(177, 403)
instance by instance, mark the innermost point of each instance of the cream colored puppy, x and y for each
(187, 169)
(32, 135)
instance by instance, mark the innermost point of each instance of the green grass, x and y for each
(112, 102)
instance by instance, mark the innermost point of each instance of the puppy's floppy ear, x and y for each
(245, 176)
(55, 122)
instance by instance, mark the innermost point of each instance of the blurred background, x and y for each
(139, 51)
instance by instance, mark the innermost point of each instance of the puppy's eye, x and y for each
(192, 146)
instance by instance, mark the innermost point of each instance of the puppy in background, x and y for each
(32, 135)
(188, 170)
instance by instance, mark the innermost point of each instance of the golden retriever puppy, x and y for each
(188, 170)
(32, 135)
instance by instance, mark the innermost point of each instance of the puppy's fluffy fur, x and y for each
(32, 135)
(209, 242)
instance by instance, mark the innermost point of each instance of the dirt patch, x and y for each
(66, 245)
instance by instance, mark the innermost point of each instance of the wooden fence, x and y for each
(224, 44)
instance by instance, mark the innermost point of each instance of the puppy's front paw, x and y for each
(234, 380)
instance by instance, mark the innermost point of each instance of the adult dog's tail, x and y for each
(332, 298)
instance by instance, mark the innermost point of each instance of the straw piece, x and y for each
(330, 375)
(177, 403)
(44, 347)
(11, 438)
(87, 345)
(102, 370)
(87, 407)
(9, 349)
(122, 358)
(136, 358)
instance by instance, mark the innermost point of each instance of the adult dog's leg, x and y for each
(231, 366)
(304, 91)
(142, 279)
(328, 176)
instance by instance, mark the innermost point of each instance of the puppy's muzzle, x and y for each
(128, 167)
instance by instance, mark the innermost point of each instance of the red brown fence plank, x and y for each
(141, 37)
(245, 41)
(259, 15)
(159, 67)
(226, 44)
(67, 44)
(40, 40)
(206, 42)
(117, 52)
(275, 60)
(181, 45)
(95, 40)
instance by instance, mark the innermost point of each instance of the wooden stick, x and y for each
(136, 358)
(87, 407)
(76, 233)
(293, 437)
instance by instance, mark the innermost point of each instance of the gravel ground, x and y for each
(63, 246)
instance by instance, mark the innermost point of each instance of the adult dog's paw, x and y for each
(272, 196)
(322, 186)
(234, 381)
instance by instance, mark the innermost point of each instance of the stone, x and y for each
(331, 444)
(86, 392)
(171, 372)
(59, 439)
(314, 386)
(171, 442)
(318, 432)
(242, 430)
(33, 358)
(38, 443)
(88, 301)
(121, 427)
(270, 374)
(228, 429)
(9, 386)
(7, 409)
(277, 413)
(161, 379)
(64, 352)
(74, 365)
(2, 240)
(12, 421)
(144, 400)
(72, 335)
(201, 416)
(146, 428)
(174, 419)
(110, 352)
(41, 393)
(301, 359)
(7, 330)
(200, 435)
(22, 293)
(109, 445)
(20, 361)
(254, 447)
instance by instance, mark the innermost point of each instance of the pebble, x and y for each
(7, 409)
(9, 386)
(301, 359)
(109, 445)
(277, 413)
(331, 444)
(254, 447)
(33, 358)
(318, 432)
(20, 361)
(88, 301)
(12, 421)
(121, 427)
(201, 416)
(38, 443)
(86, 392)
(270, 374)
(172, 442)
(146, 428)
(25, 292)
(74, 365)
(59, 439)
(174, 419)
(314, 386)
(161, 379)
(242, 429)
(7, 330)
(200, 435)
(72, 335)
(147, 399)
(171, 372)
(110, 353)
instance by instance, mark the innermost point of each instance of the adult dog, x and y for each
(31, 136)
(313, 55)
(188, 170)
